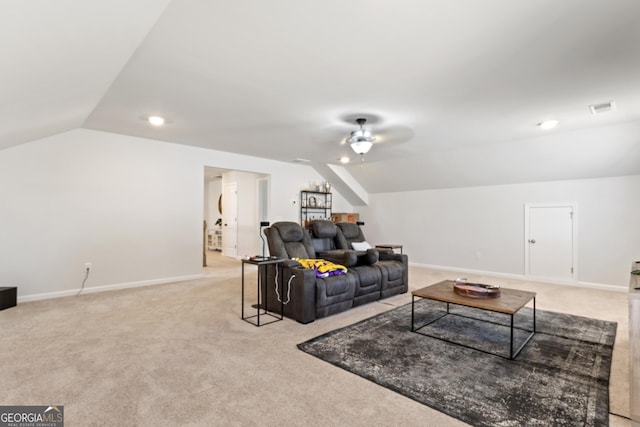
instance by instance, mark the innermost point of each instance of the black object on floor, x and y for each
(8, 297)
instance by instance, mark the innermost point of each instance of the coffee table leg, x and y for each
(511, 345)
(512, 354)
(534, 314)
(413, 301)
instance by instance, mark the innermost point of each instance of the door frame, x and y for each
(229, 188)
(574, 234)
(263, 198)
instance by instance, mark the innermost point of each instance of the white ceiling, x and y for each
(461, 84)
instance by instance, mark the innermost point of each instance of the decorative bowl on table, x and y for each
(475, 290)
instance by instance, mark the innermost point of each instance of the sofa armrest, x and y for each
(389, 255)
(303, 294)
(371, 256)
(348, 258)
(298, 291)
(290, 263)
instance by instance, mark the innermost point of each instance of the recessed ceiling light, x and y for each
(549, 124)
(344, 159)
(156, 120)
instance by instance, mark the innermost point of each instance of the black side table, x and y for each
(8, 297)
(390, 246)
(262, 263)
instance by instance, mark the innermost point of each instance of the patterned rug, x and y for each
(561, 377)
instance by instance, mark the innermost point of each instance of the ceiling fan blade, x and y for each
(393, 135)
(331, 135)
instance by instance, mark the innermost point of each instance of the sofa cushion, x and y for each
(323, 229)
(350, 230)
(289, 240)
(289, 231)
(296, 250)
(335, 289)
(394, 270)
(323, 234)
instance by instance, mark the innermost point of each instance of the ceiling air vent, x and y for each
(603, 107)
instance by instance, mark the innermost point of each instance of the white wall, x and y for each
(450, 227)
(131, 206)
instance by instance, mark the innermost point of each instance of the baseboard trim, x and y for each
(106, 288)
(580, 284)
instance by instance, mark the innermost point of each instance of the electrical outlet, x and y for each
(88, 266)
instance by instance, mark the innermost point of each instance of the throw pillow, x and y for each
(360, 246)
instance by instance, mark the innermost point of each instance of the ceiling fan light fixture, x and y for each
(361, 135)
(361, 140)
(362, 146)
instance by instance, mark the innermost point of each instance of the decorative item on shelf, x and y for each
(345, 217)
(312, 202)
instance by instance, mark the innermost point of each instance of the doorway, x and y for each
(550, 241)
(236, 202)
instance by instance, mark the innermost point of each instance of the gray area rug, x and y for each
(561, 377)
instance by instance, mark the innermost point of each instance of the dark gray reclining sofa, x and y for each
(372, 274)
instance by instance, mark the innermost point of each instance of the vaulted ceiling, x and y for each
(454, 89)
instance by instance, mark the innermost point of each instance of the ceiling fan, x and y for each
(370, 130)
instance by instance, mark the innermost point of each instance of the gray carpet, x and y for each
(561, 377)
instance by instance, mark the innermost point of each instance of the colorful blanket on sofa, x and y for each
(322, 267)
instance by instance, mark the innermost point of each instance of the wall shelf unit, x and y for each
(214, 239)
(314, 205)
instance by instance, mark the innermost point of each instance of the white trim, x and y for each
(105, 288)
(606, 287)
(574, 237)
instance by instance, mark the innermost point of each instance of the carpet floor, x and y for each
(179, 354)
(560, 378)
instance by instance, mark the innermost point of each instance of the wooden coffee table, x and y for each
(509, 302)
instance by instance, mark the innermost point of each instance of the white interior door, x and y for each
(550, 241)
(230, 219)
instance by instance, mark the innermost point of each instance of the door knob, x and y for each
(532, 240)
